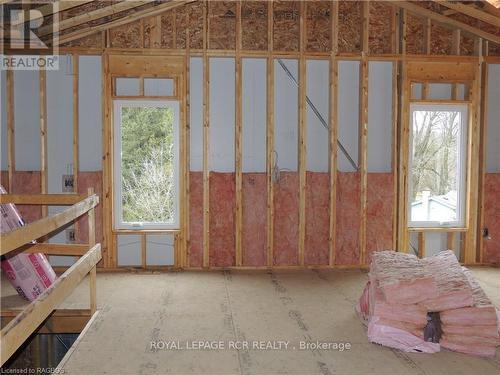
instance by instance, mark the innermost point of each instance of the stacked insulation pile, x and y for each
(403, 289)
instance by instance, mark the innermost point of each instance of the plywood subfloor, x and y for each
(136, 309)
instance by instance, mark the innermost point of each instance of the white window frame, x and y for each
(117, 143)
(462, 162)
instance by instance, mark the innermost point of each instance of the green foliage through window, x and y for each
(147, 164)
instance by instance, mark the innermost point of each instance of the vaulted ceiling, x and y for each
(75, 19)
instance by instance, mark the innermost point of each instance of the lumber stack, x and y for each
(420, 305)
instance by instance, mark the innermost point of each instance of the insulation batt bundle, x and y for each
(402, 289)
(29, 274)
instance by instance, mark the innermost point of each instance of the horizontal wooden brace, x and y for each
(42, 199)
(23, 235)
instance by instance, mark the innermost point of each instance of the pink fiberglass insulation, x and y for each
(316, 250)
(402, 277)
(29, 274)
(453, 287)
(254, 226)
(380, 203)
(222, 210)
(90, 180)
(397, 338)
(492, 217)
(481, 313)
(470, 330)
(195, 246)
(471, 340)
(479, 350)
(24, 182)
(286, 219)
(348, 218)
(380, 308)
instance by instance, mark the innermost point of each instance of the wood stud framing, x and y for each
(363, 134)
(11, 155)
(76, 163)
(187, 148)
(238, 140)
(401, 99)
(333, 91)
(302, 135)
(206, 140)
(270, 137)
(43, 138)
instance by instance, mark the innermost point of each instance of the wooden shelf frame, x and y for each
(28, 320)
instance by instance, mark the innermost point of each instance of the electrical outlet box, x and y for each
(70, 235)
(68, 183)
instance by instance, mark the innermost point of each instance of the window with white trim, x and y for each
(146, 164)
(437, 165)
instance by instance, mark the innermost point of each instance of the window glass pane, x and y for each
(158, 87)
(436, 167)
(147, 164)
(127, 87)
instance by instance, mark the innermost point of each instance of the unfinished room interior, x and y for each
(250, 187)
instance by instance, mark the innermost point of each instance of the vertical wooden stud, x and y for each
(421, 244)
(238, 139)
(93, 273)
(402, 31)
(403, 143)
(363, 134)
(395, 29)
(427, 51)
(43, 137)
(187, 168)
(270, 137)
(333, 88)
(450, 241)
(206, 139)
(76, 163)
(302, 136)
(394, 167)
(482, 158)
(11, 155)
(174, 27)
(455, 51)
(107, 140)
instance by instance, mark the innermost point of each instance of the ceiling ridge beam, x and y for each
(153, 11)
(445, 21)
(471, 11)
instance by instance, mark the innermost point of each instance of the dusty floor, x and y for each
(237, 306)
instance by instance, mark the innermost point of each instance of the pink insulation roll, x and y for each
(29, 274)
(381, 333)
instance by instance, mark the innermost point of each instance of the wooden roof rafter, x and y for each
(445, 21)
(79, 19)
(471, 11)
(135, 16)
(49, 9)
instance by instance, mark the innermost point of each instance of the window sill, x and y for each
(142, 231)
(437, 229)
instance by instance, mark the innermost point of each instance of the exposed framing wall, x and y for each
(197, 36)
